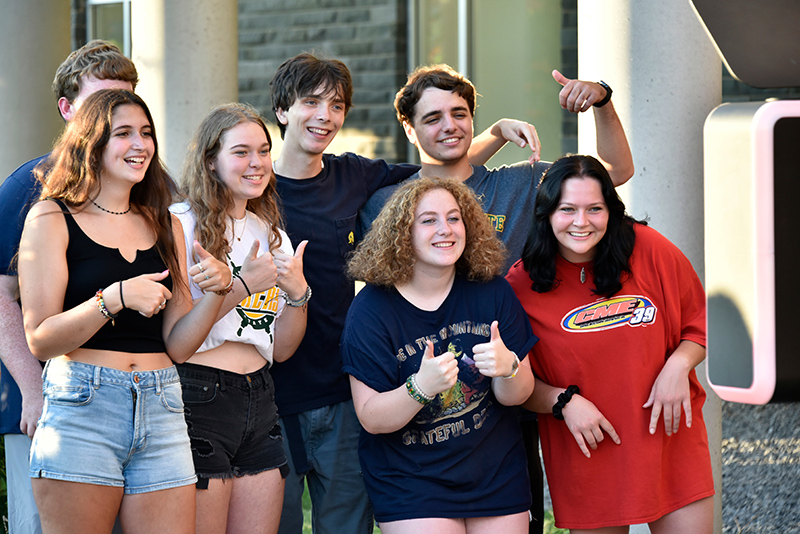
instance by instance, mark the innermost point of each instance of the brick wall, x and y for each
(369, 36)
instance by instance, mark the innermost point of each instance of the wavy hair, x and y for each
(442, 77)
(386, 255)
(72, 171)
(208, 196)
(97, 58)
(611, 263)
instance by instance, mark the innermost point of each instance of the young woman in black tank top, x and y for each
(106, 304)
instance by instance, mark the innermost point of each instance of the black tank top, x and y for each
(93, 266)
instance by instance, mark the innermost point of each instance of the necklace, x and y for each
(112, 212)
(583, 275)
(239, 237)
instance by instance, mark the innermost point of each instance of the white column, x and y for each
(186, 52)
(666, 78)
(34, 40)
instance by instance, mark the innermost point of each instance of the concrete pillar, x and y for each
(34, 40)
(666, 78)
(186, 52)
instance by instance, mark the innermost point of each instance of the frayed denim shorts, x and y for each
(233, 422)
(113, 428)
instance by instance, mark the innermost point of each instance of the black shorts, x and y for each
(233, 422)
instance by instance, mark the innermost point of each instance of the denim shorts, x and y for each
(113, 428)
(233, 422)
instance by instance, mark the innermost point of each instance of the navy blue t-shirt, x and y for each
(463, 454)
(323, 210)
(17, 194)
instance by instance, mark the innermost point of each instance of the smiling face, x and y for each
(580, 219)
(312, 121)
(130, 147)
(244, 163)
(438, 234)
(442, 126)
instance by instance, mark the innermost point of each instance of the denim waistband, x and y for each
(224, 378)
(99, 375)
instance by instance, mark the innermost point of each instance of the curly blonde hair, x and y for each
(207, 195)
(386, 255)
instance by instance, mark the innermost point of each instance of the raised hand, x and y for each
(145, 293)
(521, 134)
(210, 274)
(493, 358)
(290, 272)
(258, 272)
(577, 96)
(437, 373)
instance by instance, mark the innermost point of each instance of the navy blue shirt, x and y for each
(462, 455)
(323, 210)
(17, 194)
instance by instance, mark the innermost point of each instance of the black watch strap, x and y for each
(604, 101)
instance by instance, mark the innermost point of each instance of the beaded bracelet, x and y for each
(415, 392)
(563, 399)
(299, 303)
(98, 297)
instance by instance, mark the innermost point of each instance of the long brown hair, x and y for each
(208, 196)
(72, 171)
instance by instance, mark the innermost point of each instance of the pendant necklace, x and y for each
(239, 237)
(583, 275)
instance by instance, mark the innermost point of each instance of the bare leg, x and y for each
(511, 524)
(694, 518)
(74, 507)
(255, 503)
(212, 506)
(170, 511)
(424, 526)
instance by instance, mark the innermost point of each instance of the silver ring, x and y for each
(163, 303)
(206, 277)
(200, 266)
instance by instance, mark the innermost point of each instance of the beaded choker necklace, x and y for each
(112, 212)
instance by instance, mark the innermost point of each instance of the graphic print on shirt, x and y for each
(258, 311)
(615, 312)
(471, 386)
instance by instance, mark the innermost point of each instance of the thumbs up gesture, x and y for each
(577, 96)
(210, 274)
(493, 358)
(290, 272)
(437, 373)
(258, 272)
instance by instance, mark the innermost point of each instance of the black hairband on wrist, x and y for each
(563, 399)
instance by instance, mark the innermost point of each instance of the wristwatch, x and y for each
(604, 101)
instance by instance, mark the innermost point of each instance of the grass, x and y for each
(549, 526)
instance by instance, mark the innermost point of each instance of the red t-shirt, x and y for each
(613, 349)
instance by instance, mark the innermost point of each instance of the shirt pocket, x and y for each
(345, 234)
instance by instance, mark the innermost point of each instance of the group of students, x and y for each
(175, 333)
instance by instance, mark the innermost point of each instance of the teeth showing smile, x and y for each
(443, 245)
(318, 131)
(252, 177)
(138, 160)
(579, 234)
(450, 140)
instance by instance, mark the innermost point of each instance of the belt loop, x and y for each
(96, 378)
(157, 374)
(221, 380)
